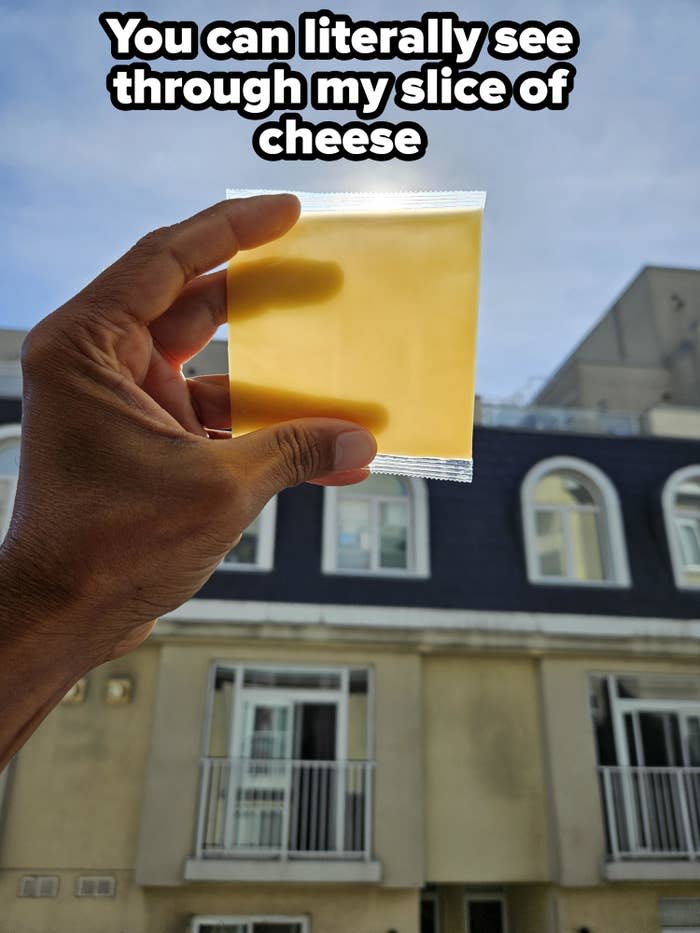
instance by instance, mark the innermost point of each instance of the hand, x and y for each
(129, 495)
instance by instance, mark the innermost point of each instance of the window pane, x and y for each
(221, 713)
(321, 680)
(393, 534)
(485, 917)
(688, 494)
(585, 541)
(270, 731)
(551, 550)
(224, 928)
(689, 534)
(276, 927)
(354, 539)
(9, 458)
(246, 551)
(693, 741)
(565, 487)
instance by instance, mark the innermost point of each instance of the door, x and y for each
(317, 783)
(485, 914)
(260, 772)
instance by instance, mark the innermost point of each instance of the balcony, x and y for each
(281, 819)
(653, 822)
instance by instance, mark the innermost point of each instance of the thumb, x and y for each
(294, 452)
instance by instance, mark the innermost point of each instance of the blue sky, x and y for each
(578, 201)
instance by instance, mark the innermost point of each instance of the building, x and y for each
(644, 351)
(401, 706)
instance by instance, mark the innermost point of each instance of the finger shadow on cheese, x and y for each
(260, 406)
(278, 283)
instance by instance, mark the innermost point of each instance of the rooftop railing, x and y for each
(565, 420)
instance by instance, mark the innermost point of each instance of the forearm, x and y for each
(40, 659)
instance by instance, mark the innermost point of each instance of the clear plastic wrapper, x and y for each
(365, 310)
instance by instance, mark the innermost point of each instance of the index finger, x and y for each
(150, 276)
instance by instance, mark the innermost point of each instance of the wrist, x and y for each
(41, 616)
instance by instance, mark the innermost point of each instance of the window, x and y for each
(256, 549)
(681, 504)
(647, 731)
(572, 525)
(250, 925)
(377, 527)
(9, 465)
(287, 763)
(485, 913)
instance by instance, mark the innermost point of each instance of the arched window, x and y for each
(377, 527)
(256, 549)
(9, 466)
(681, 504)
(572, 524)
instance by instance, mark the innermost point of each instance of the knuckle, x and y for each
(152, 242)
(37, 349)
(302, 453)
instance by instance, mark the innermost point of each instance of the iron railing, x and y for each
(283, 808)
(652, 813)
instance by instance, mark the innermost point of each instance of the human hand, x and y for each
(125, 501)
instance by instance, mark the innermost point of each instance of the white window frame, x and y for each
(613, 548)
(668, 497)
(341, 695)
(266, 544)
(485, 896)
(418, 535)
(9, 432)
(199, 922)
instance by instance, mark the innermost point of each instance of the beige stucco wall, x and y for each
(617, 908)
(173, 768)
(67, 913)
(577, 816)
(74, 795)
(485, 800)
(673, 421)
(168, 910)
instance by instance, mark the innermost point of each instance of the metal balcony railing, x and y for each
(652, 813)
(284, 809)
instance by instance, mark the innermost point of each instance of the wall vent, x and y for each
(681, 912)
(38, 886)
(96, 886)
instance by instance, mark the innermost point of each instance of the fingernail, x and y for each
(354, 449)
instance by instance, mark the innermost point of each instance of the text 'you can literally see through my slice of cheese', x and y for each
(365, 310)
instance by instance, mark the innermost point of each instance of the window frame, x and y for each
(266, 544)
(341, 694)
(198, 922)
(675, 548)
(418, 543)
(9, 432)
(611, 530)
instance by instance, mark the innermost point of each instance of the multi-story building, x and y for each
(402, 706)
(643, 352)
